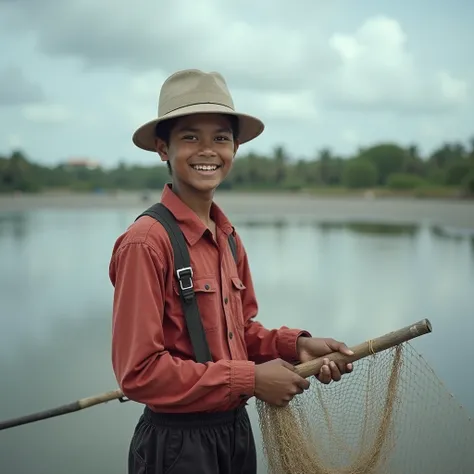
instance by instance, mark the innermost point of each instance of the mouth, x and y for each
(205, 169)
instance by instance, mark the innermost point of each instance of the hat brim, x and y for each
(250, 127)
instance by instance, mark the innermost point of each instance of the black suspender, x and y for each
(184, 275)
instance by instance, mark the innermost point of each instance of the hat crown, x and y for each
(193, 87)
(189, 92)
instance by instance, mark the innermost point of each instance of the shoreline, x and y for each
(271, 206)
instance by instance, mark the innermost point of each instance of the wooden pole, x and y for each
(306, 369)
(367, 348)
(65, 409)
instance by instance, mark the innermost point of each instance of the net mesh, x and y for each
(391, 415)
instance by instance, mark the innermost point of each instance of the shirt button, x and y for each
(206, 286)
(231, 335)
(226, 300)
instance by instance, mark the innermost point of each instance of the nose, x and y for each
(206, 148)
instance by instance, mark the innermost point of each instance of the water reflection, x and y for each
(352, 280)
(72, 362)
(15, 224)
(18, 224)
(362, 227)
(370, 228)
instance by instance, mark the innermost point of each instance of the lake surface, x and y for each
(336, 279)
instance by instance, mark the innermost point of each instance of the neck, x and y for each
(200, 203)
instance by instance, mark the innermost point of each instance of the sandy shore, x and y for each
(271, 207)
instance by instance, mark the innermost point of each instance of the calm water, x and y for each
(351, 282)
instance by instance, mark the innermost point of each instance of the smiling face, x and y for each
(200, 150)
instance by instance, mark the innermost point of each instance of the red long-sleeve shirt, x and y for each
(151, 350)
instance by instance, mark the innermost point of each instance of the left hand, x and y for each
(310, 348)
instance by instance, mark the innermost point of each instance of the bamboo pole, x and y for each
(65, 409)
(306, 369)
(368, 348)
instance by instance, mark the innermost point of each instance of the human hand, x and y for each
(276, 382)
(309, 348)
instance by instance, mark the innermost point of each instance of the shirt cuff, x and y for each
(242, 380)
(286, 343)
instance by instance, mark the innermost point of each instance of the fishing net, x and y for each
(391, 415)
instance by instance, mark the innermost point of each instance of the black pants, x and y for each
(217, 443)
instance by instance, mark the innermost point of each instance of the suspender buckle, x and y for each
(185, 273)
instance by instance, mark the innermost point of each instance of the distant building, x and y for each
(75, 163)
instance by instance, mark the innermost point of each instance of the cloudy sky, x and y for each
(77, 77)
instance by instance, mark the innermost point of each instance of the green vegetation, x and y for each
(385, 169)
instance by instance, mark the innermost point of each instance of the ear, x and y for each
(236, 146)
(161, 149)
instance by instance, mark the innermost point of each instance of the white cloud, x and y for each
(372, 68)
(182, 34)
(350, 137)
(147, 86)
(284, 105)
(452, 89)
(374, 71)
(15, 141)
(16, 89)
(47, 113)
(318, 75)
(138, 101)
(378, 71)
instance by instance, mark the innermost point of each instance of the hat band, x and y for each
(197, 103)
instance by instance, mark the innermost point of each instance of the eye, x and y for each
(189, 137)
(223, 137)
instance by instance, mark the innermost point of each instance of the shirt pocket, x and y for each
(236, 300)
(207, 293)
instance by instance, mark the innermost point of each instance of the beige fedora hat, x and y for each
(192, 91)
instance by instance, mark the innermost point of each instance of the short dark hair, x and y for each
(163, 130)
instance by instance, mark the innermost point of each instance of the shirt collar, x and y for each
(192, 227)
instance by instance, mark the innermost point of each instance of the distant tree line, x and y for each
(385, 166)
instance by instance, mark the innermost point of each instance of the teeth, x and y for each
(205, 167)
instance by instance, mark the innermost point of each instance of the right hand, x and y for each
(276, 382)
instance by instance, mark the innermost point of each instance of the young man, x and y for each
(195, 420)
